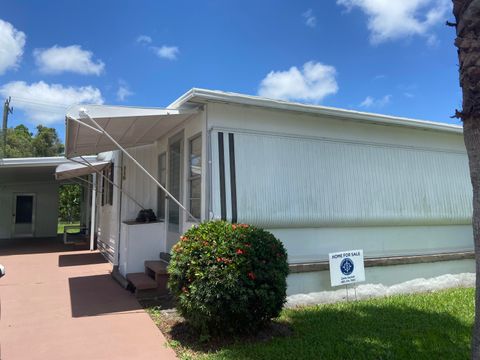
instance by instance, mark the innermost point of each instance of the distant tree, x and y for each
(69, 202)
(46, 142)
(19, 142)
(22, 143)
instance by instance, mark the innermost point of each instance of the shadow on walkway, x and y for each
(37, 246)
(81, 259)
(97, 295)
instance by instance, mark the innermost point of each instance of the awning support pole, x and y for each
(92, 213)
(84, 113)
(86, 162)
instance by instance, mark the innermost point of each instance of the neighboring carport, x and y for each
(29, 196)
(60, 302)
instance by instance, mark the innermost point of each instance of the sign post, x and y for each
(346, 267)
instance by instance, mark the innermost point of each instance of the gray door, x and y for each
(174, 187)
(23, 215)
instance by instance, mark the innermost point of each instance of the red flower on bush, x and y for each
(226, 267)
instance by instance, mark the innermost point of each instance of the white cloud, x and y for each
(311, 83)
(123, 91)
(376, 103)
(46, 103)
(12, 42)
(392, 20)
(408, 95)
(310, 19)
(166, 52)
(72, 58)
(144, 39)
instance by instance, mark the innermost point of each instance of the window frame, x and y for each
(192, 177)
(161, 195)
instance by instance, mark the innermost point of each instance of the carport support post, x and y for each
(92, 212)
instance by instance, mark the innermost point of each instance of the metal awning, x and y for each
(129, 126)
(73, 170)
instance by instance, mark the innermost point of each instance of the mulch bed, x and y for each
(186, 339)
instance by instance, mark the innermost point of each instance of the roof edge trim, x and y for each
(204, 95)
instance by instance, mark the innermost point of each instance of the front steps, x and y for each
(151, 283)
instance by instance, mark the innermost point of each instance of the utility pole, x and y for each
(6, 110)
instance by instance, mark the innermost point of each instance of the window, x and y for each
(174, 178)
(195, 176)
(162, 178)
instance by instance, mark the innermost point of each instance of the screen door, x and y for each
(23, 215)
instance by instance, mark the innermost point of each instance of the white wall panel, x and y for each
(286, 181)
(137, 183)
(46, 212)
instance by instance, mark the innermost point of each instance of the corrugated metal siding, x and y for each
(297, 182)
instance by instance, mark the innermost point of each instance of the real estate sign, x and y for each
(346, 267)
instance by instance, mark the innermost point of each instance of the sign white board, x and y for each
(346, 267)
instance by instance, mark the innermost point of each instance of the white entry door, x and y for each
(23, 215)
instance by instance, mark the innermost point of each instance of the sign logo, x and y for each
(346, 266)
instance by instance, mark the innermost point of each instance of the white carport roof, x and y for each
(129, 126)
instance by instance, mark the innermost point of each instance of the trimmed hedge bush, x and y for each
(228, 277)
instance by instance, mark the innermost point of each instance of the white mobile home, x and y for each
(321, 179)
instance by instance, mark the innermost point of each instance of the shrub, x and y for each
(228, 277)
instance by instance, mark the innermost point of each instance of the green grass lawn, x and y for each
(422, 326)
(61, 225)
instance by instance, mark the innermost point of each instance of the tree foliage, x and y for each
(22, 143)
(69, 202)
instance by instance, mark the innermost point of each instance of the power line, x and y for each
(42, 103)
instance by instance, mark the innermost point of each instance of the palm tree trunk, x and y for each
(467, 15)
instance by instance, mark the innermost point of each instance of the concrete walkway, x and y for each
(60, 302)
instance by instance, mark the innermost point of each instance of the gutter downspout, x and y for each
(120, 199)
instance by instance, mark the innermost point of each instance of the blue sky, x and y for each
(378, 56)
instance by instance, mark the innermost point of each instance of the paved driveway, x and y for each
(60, 302)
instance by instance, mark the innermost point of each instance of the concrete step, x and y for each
(158, 267)
(142, 281)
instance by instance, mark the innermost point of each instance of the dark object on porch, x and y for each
(146, 215)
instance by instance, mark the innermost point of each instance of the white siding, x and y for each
(298, 182)
(137, 184)
(323, 184)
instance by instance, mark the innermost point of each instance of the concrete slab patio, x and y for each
(60, 302)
